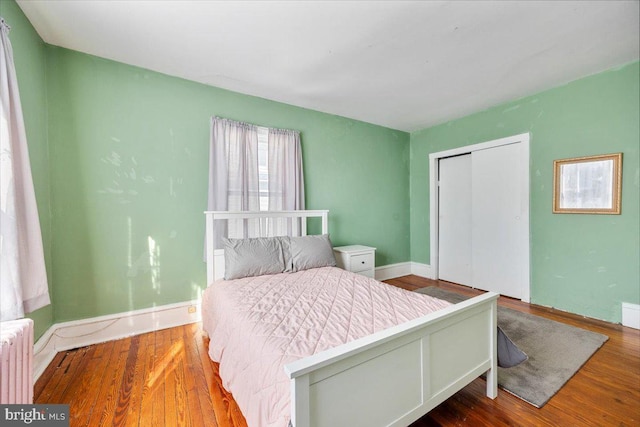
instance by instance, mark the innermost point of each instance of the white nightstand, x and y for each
(356, 258)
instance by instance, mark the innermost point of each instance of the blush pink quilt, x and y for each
(259, 324)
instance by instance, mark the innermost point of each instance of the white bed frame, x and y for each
(392, 377)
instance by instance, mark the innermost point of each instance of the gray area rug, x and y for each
(556, 351)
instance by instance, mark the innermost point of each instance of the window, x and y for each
(253, 168)
(263, 167)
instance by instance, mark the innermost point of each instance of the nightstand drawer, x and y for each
(362, 262)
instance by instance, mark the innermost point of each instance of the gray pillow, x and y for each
(509, 355)
(286, 253)
(252, 257)
(311, 252)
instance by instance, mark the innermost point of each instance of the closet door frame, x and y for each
(524, 183)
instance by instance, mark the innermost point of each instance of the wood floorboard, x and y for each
(104, 409)
(61, 377)
(46, 377)
(86, 402)
(160, 367)
(123, 401)
(194, 409)
(146, 399)
(204, 379)
(132, 415)
(183, 400)
(84, 360)
(165, 378)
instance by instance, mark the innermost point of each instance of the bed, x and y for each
(389, 365)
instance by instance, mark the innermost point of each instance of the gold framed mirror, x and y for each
(588, 185)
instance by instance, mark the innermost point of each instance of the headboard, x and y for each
(215, 257)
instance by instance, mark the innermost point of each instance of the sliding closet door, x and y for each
(496, 230)
(454, 261)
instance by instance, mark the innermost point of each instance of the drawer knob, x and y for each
(363, 262)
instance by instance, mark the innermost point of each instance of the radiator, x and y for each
(16, 358)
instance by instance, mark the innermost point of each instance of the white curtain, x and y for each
(234, 177)
(23, 278)
(233, 174)
(286, 181)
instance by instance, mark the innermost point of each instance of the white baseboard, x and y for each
(392, 271)
(400, 269)
(631, 315)
(422, 270)
(84, 332)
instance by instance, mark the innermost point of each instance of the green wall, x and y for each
(129, 156)
(29, 54)
(586, 264)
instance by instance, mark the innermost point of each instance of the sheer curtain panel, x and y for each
(286, 180)
(23, 277)
(233, 173)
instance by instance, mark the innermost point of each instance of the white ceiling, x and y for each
(404, 65)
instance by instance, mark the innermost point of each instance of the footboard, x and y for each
(395, 376)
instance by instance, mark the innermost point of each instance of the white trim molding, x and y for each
(631, 315)
(422, 270)
(84, 332)
(400, 269)
(392, 271)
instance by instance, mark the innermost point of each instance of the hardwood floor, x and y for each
(162, 378)
(165, 378)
